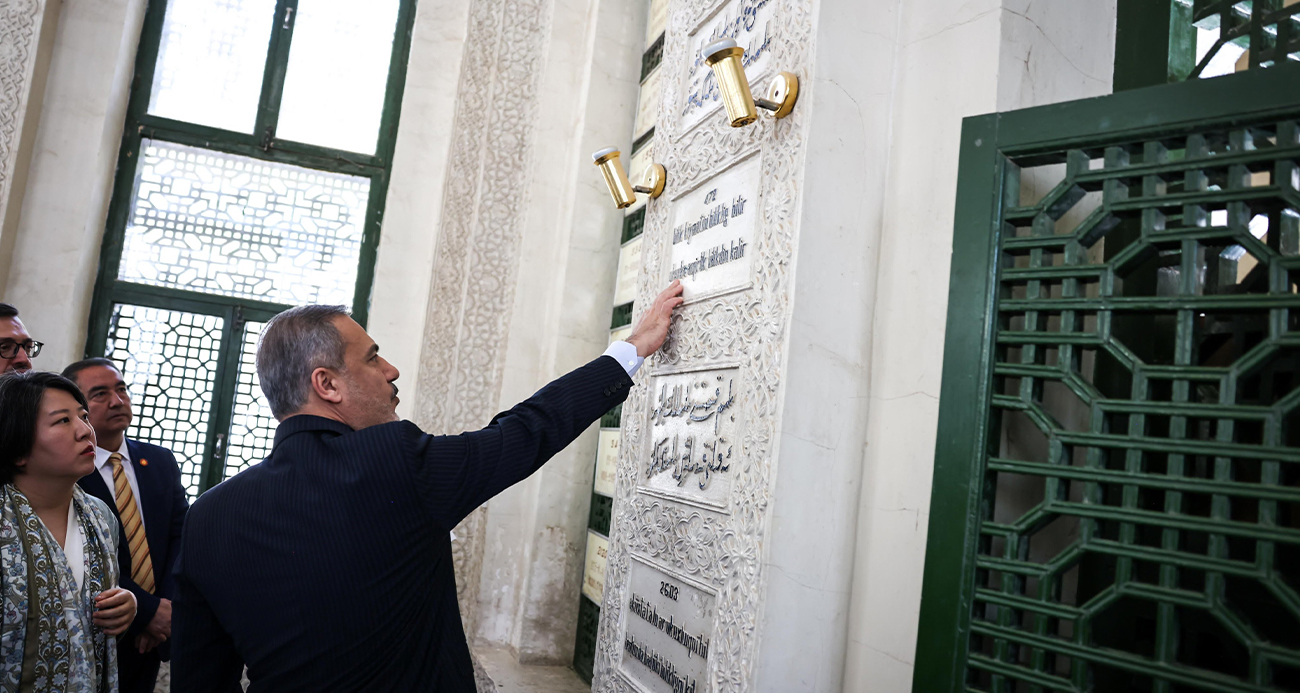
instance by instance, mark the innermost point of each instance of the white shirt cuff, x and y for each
(625, 354)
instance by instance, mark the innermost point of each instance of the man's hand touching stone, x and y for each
(650, 333)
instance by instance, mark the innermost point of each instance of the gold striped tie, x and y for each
(141, 563)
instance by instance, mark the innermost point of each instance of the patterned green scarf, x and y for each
(48, 643)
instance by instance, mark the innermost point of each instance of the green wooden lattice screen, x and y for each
(1116, 499)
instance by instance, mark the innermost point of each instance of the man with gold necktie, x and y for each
(142, 484)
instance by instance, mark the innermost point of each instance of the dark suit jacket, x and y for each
(328, 567)
(163, 505)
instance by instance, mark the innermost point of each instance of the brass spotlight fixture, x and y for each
(724, 56)
(623, 192)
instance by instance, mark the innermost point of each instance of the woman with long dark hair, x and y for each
(58, 546)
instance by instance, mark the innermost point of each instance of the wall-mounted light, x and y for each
(623, 192)
(724, 56)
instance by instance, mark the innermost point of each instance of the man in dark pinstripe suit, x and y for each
(327, 567)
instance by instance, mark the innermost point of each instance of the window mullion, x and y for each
(396, 83)
(277, 63)
(309, 156)
(213, 469)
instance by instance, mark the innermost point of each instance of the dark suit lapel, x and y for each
(93, 483)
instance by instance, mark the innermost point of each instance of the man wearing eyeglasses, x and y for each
(16, 346)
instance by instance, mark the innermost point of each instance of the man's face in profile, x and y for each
(13, 339)
(370, 396)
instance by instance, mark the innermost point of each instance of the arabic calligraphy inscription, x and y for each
(694, 435)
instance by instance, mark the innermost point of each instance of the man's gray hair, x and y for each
(293, 345)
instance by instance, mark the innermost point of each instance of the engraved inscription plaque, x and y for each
(593, 577)
(657, 21)
(648, 104)
(713, 232)
(606, 461)
(749, 22)
(669, 626)
(694, 435)
(629, 266)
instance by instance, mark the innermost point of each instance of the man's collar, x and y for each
(102, 455)
(307, 422)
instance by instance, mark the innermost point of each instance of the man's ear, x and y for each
(325, 383)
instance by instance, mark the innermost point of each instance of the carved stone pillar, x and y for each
(477, 256)
(20, 34)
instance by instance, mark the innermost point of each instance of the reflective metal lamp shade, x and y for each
(727, 60)
(619, 186)
(623, 192)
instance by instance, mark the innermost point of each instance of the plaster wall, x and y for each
(955, 59)
(69, 178)
(809, 563)
(404, 263)
(26, 42)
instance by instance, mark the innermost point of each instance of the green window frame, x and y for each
(231, 322)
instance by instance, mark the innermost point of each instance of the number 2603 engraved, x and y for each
(668, 590)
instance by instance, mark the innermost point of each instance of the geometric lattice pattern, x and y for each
(169, 359)
(1140, 529)
(234, 226)
(1268, 30)
(252, 427)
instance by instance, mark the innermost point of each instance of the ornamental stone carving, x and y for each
(475, 263)
(18, 36)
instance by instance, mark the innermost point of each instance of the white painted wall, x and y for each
(69, 179)
(809, 563)
(955, 59)
(409, 234)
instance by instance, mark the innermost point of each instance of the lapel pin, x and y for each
(144, 462)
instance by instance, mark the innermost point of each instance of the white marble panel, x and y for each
(607, 461)
(621, 334)
(629, 268)
(694, 435)
(657, 20)
(647, 104)
(750, 23)
(593, 576)
(713, 232)
(669, 626)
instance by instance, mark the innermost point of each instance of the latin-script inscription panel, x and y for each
(713, 232)
(669, 626)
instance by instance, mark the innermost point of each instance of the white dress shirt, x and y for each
(106, 471)
(625, 354)
(74, 547)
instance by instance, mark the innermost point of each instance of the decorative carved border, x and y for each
(749, 327)
(477, 256)
(18, 19)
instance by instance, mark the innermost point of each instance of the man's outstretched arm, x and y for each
(459, 473)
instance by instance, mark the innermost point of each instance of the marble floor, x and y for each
(509, 676)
